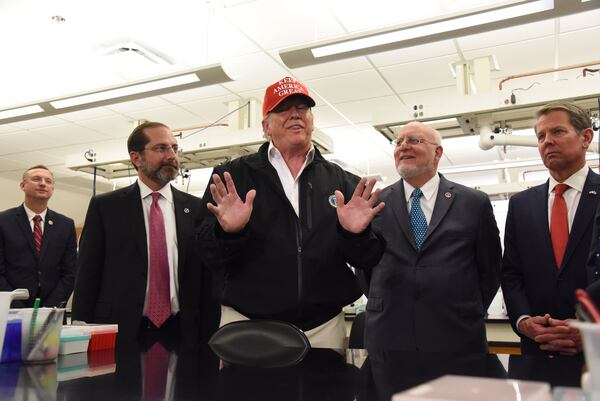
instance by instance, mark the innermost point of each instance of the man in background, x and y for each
(38, 246)
(138, 263)
(441, 266)
(548, 233)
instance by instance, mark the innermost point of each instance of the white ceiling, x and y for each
(43, 59)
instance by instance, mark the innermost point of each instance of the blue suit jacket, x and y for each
(21, 266)
(531, 282)
(434, 299)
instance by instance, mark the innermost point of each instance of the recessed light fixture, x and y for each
(209, 75)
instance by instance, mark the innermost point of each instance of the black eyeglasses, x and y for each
(161, 148)
(411, 141)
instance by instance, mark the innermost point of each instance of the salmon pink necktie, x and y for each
(159, 304)
(559, 224)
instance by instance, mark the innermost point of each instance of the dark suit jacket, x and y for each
(532, 284)
(21, 267)
(113, 266)
(435, 299)
(592, 271)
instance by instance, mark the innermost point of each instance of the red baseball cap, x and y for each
(281, 90)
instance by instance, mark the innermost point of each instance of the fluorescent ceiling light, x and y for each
(182, 80)
(125, 91)
(435, 28)
(20, 111)
(452, 27)
(500, 165)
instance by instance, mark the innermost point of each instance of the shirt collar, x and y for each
(165, 191)
(428, 188)
(575, 181)
(274, 153)
(31, 214)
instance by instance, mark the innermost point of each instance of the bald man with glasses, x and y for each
(441, 266)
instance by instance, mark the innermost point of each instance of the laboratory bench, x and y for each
(197, 373)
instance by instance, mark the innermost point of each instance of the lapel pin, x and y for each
(50, 222)
(332, 201)
(592, 192)
(186, 210)
(448, 195)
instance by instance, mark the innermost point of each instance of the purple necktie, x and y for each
(159, 303)
(37, 232)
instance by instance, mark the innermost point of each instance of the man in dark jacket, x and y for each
(37, 245)
(284, 248)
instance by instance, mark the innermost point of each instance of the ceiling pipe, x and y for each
(546, 71)
(488, 138)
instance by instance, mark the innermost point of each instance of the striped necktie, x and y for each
(37, 232)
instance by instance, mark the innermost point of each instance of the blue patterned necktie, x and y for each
(417, 218)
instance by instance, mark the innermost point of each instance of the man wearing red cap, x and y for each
(283, 234)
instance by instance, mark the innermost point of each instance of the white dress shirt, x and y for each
(288, 182)
(427, 201)
(31, 214)
(168, 210)
(571, 195)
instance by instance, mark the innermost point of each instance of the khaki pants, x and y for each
(331, 334)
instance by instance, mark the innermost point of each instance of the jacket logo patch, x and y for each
(332, 201)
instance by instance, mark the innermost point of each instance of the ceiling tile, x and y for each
(205, 92)
(38, 123)
(23, 141)
(414, 76)
(116, 127)
(540, 55)
(7, 164)
(33, 158)
(209, 110)
(88, 114)
(282, 23)
(138, 105)
(514, 34)
(580, 21)
(70, 134)
(415, 53)
(366, 111)
(349, 87)
(173, 116)
(252, 71)
(332, 69)
(6, 128)
(575, 47)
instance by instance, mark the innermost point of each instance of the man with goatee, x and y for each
(138, 264)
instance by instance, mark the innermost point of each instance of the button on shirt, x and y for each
(430, 190)
(31, 214)
(168, 210)
(571, 195)
(288, 182)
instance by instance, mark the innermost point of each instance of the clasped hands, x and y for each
(233, 214)
(552, 334)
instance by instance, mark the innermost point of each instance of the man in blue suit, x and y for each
(441, 266)
(548, 233)
(38, 248)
